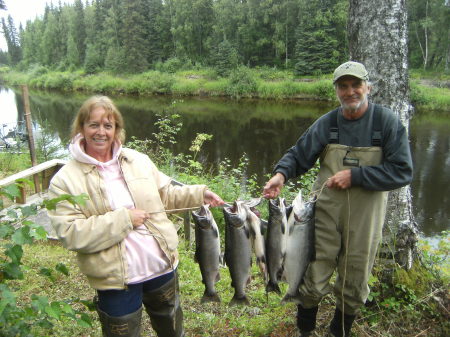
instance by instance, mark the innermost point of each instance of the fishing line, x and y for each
(347, 239)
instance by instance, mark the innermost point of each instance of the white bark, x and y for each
(378, 38)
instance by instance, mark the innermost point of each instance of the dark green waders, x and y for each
(163, 307)
(348, 230)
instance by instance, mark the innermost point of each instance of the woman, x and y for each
(125, 244)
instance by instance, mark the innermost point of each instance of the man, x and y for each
(364, 152)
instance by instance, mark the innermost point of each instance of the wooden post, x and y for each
(26, 102)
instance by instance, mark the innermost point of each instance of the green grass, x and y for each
(265, 316)
(262, 82)
(13, 163)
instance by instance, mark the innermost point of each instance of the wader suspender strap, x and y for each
(376, 127)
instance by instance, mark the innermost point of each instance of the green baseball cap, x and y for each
(351, 68)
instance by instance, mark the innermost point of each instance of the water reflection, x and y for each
(262, 130)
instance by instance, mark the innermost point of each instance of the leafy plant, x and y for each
(16, 232)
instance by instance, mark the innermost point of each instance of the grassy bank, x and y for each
(258, 83)
(412, 303)
(407, 314)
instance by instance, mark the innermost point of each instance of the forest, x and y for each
(133, 36)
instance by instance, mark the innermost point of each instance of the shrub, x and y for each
(241, 83)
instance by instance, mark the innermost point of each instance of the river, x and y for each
(260, 129)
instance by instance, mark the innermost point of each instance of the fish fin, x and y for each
(247, 232)
(239, 301)
(206, 298)
(272, 286)
(264, 225)
(216, 232)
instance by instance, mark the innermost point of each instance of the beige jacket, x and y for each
(96, 232)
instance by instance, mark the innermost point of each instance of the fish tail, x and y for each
(239, 300)
(273, 286)
(206, 298)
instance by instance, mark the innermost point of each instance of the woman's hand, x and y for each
(212, 199)
(138, 217)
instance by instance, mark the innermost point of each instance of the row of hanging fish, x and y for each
(283, 246)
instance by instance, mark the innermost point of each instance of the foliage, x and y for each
(225, 58)
(12, 163)
(19, 318)
(159, 146)
(242, 83)
(318, 49)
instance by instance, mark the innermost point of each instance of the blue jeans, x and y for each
(122, 302)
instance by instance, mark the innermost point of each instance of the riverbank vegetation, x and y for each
(43, 292)
(214, 48)
(266, 83)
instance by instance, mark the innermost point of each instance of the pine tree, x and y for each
(225, 58)
(317, 47)
(133, 23)
(12, 41)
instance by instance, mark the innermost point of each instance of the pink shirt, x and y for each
(145, 258)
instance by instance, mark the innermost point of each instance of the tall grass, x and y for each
(262, 82)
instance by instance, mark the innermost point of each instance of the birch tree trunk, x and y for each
(377, 32)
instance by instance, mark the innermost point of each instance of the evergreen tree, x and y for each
(317, 48)
(155, 30)
(225, 58)
(79, 31)
(2, 5)
(93, 61)
(133, 28)
(12, 41)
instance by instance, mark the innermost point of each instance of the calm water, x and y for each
(262, 130)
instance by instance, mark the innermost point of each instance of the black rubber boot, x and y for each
(163, 307)
(123, 326)
(306, 320)
(337, 329)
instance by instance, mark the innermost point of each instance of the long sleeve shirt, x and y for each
(395, 170)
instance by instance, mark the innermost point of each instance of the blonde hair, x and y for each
(111, 110)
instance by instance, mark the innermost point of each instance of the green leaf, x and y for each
(22, 236)
(40, 233)
(62, 268)
(47, 273)
(52, 312)
(12, 214)
(29, 210)
(11, 191)
(15, 253)
(12, 271)
(80, 200)
(5, 230)
(6, 298)
(39, 302)
(84, 321)
(66, 308)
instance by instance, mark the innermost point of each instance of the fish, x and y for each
(300, 246)
(256, 234)
(207, 251)
(276, 241)
(238, 254)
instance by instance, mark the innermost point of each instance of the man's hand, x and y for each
(341, 180)
(273, 187)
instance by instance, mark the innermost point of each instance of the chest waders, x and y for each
(348, 230)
